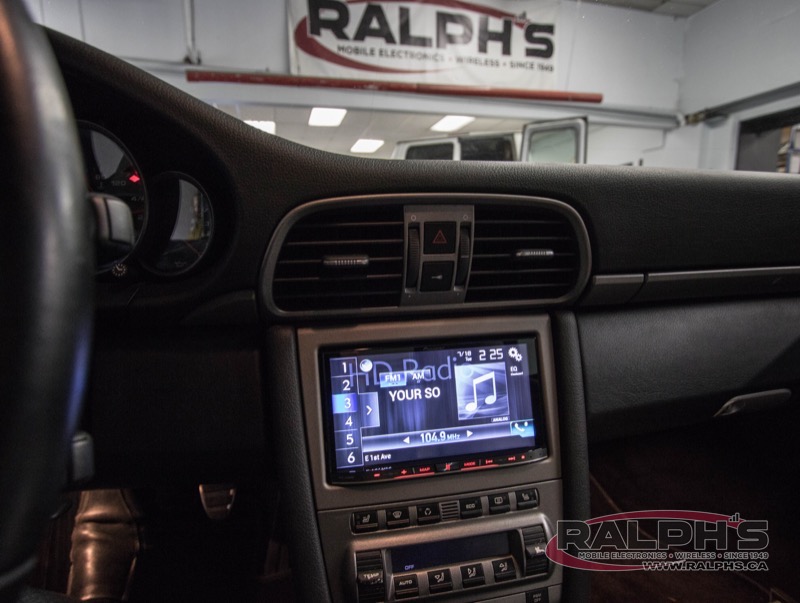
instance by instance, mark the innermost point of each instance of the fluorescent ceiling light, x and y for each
(326, 118)
(451, 123)
(366, 145)
(266, 126)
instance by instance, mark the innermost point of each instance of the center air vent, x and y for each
(403, 254)
(344, 258)
(522, 253)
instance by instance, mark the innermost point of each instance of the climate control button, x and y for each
(397, 518)
(472, 575)
(440, 581)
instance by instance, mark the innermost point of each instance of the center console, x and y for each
(434, 458)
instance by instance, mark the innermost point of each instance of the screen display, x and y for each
(409, 412)
(449, 552)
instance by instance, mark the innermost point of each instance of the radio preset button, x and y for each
(472, 575)
(440, 581)
(470, 507)
(406, 587)
(397, 518)
(365, 521)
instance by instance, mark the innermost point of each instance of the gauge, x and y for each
(111, 170)
(186, 224)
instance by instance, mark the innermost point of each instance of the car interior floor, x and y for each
(746, 464)
(174, 553)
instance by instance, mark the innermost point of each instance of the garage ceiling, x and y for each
(676, 8)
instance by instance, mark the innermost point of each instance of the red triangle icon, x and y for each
(440, 239)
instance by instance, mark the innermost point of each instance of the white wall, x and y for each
(738, 48)
(618, 145)
(733, 50)
(144, 29)
(64, 15)
(680, 148)
(244, 34)
(633, 58)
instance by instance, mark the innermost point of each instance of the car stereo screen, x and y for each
(398, 413)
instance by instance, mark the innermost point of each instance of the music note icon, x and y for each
(489, 398)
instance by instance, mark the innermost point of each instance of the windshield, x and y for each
(689, 84)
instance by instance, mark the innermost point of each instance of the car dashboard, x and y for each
(624, 300)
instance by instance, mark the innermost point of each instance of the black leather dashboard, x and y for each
(639, 219)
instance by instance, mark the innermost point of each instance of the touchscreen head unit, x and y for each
(403, 412)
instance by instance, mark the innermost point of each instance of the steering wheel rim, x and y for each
(46, 279)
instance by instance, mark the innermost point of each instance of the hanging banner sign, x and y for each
(498, 43)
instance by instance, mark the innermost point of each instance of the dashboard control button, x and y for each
(471, 464)
(440, 581)
(498, 503)
(440, 237)
(386, 474)
(540, 595)
(527, 499)
(470, 507)
(365, 521)
(406, 586)
(504, 569)
(397, 518)
(436, 276)
(370, 577)
(447, 467)
(423, 469)
(472, 575)
(428, 514)
(534, 542)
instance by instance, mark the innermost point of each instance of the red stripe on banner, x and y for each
(440, 89)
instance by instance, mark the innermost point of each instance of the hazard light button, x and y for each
(440, 237)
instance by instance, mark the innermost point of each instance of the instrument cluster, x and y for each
(171, 223)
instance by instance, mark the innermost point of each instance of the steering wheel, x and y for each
(46, 281)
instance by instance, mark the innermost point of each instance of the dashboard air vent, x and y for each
(344, 258)
(522, 253)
